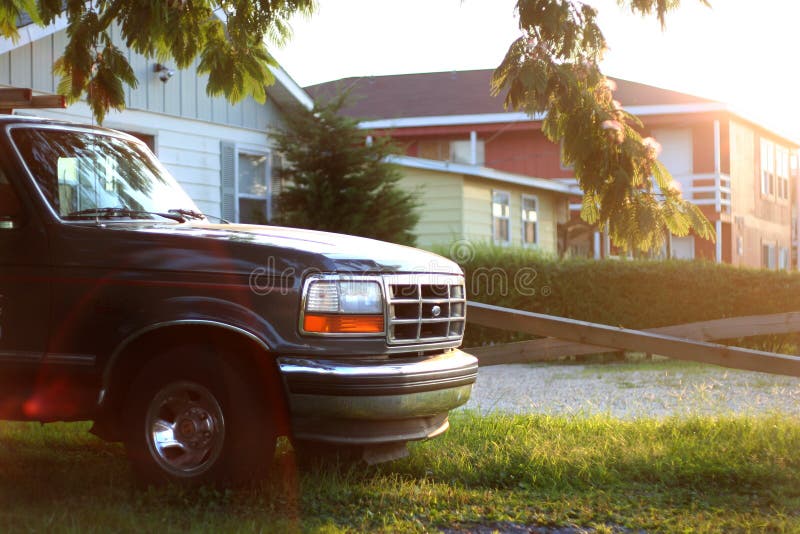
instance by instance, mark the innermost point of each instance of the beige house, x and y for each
(462, 202)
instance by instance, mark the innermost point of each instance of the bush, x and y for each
(630, 293)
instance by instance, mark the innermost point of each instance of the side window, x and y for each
(9, 203)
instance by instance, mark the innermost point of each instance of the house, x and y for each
(465, 202)
(219, 152)
(736, 170)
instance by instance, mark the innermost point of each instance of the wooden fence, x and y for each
(564, 337)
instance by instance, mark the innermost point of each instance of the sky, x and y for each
(741, 52)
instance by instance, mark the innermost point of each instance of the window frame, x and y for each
(524, 221)
(507, 218)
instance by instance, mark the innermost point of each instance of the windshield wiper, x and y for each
(192, 214)
(110, 213)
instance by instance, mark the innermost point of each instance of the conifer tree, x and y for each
(339, 182)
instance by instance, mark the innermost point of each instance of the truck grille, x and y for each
(425, 308)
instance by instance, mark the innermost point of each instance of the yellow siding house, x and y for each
(482, 205)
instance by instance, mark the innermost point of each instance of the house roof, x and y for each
(459, 93)
(464, 98)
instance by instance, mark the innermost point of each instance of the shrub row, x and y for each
(630, 293)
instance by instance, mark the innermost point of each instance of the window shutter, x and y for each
(227, 152)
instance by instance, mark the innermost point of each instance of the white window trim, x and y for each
(523, 198)
(507, 219)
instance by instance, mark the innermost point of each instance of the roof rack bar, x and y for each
(48, 101)
(12, 97)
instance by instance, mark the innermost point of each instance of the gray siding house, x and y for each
(219, 152)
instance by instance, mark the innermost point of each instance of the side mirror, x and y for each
(8, 222)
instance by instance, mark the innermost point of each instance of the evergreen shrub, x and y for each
(630, 293)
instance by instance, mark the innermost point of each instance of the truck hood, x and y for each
(333, 252)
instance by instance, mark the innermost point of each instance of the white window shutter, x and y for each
(227, 152)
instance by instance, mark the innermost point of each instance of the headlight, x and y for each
(343, 305)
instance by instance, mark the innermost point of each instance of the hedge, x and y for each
(630, 293)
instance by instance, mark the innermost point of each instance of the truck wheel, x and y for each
(191, 419)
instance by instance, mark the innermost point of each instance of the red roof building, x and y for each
(735, 169)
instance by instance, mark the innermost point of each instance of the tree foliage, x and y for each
(553, 69)
(227, 35)
(337, 181)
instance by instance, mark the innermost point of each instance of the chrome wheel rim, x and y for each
(185, 429)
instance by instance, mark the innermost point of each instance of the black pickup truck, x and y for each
(197, 343)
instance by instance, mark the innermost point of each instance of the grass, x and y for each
(691, 474)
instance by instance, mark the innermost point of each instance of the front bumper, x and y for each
(374, 401)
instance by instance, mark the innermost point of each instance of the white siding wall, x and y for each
(184, 95)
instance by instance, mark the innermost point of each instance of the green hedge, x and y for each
(630, 293)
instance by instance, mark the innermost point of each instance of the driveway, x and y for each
(632, 390)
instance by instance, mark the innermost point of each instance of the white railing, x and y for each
(712, 189)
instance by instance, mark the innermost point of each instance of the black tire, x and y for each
(191, 419)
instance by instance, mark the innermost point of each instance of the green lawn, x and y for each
(695, 474)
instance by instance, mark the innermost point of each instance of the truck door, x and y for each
(24, 301)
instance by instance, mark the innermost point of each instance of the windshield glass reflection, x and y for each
(87, 175)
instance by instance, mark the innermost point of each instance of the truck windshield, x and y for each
(83, 172)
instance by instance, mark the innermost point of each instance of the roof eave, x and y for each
(481, 172)
(516, 117)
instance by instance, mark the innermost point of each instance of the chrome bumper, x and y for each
(376, 401)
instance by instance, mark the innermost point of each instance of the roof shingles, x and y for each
(456, 93)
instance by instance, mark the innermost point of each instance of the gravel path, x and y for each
(629, 391)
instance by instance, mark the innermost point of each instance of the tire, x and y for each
(191, 419)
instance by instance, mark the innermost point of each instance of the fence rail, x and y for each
(685, 342)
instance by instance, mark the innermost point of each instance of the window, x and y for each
(501, 209)
(767, 168)
(530, 226)
(253, 188)
(250, 181)
(461, 152)
(768, 256)
(782, 173)
(783, 258)
(563, 165)
(682, 247)
(437, 149)
(9, 204)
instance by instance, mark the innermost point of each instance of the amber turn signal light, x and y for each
(343, 324)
